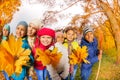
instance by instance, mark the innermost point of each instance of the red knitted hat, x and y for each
(46, 31)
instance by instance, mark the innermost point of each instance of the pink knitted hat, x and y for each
(46, 31)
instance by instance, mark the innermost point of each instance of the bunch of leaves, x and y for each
(13, 56)
(48, 57)
(78, 56)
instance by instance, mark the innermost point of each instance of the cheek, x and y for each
(17, 31)
(23, 33)
(41, 40)
(33, 31)
(86, 37)
(50, 41)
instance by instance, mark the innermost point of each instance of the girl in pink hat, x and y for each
(45, 38)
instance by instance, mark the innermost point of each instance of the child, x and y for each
(71, 45)
(34, 25)
(59, 36)
(92, 46)
(21, 32)
(62, 69)
(5, 32)
(45, 38)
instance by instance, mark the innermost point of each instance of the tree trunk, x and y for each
(114, 25)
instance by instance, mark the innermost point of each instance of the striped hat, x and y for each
(87, 29)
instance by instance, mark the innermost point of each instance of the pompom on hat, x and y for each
(87, 29)
(46, 31)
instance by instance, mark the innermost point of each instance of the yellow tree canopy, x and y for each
(7, 9)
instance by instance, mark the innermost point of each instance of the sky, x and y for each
(34, 10)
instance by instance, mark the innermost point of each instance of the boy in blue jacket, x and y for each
(93, 53)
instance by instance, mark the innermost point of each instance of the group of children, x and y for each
(35, 35)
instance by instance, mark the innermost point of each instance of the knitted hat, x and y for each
(87, 29)
(7, 27)
(23, 23)
(46, 31)
(38, 24)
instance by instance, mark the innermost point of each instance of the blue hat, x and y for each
(87, 29)
(23, 23)
(7, 27)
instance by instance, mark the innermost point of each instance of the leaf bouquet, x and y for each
(13, 56)
(48, 57)
(79, 55)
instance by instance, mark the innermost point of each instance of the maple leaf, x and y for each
(49, 57)
(79, 56)
(13, 56)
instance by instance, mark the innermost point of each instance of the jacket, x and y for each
(92, 52)
(63, 65)
(24, 68)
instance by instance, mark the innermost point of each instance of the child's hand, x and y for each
(71, 69)
(31, 70)
(36, 56)
(100, 55)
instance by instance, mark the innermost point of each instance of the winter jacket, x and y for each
(63, 65)
(38, 64)
(75, 44)
(92, 58)
(92, 50)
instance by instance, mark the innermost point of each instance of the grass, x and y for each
(109, 70)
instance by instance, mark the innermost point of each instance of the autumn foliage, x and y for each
(13, 56)
(78, 56)
(7, 9)
(49, 57)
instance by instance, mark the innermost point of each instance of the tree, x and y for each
(111, 14)
(7, 9)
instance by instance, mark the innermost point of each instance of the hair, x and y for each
(69, 28)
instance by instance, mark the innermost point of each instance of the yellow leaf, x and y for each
(49, 57)
(12, 59)
(79, 56)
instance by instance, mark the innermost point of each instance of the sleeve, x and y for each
(26, 46)
(93, 60)
(65, 72)
(53, 73)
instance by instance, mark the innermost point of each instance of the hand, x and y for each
(71, 69)
(11, 79)
(100, 55)
(31, 70)
(36, 56)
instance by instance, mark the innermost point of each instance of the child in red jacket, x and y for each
(45, 38)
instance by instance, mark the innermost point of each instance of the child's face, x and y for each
(70, 35)
(89, 36)
(20, 31)
(31, 31)
(46, 40)
(5, 32)
(60, 38)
